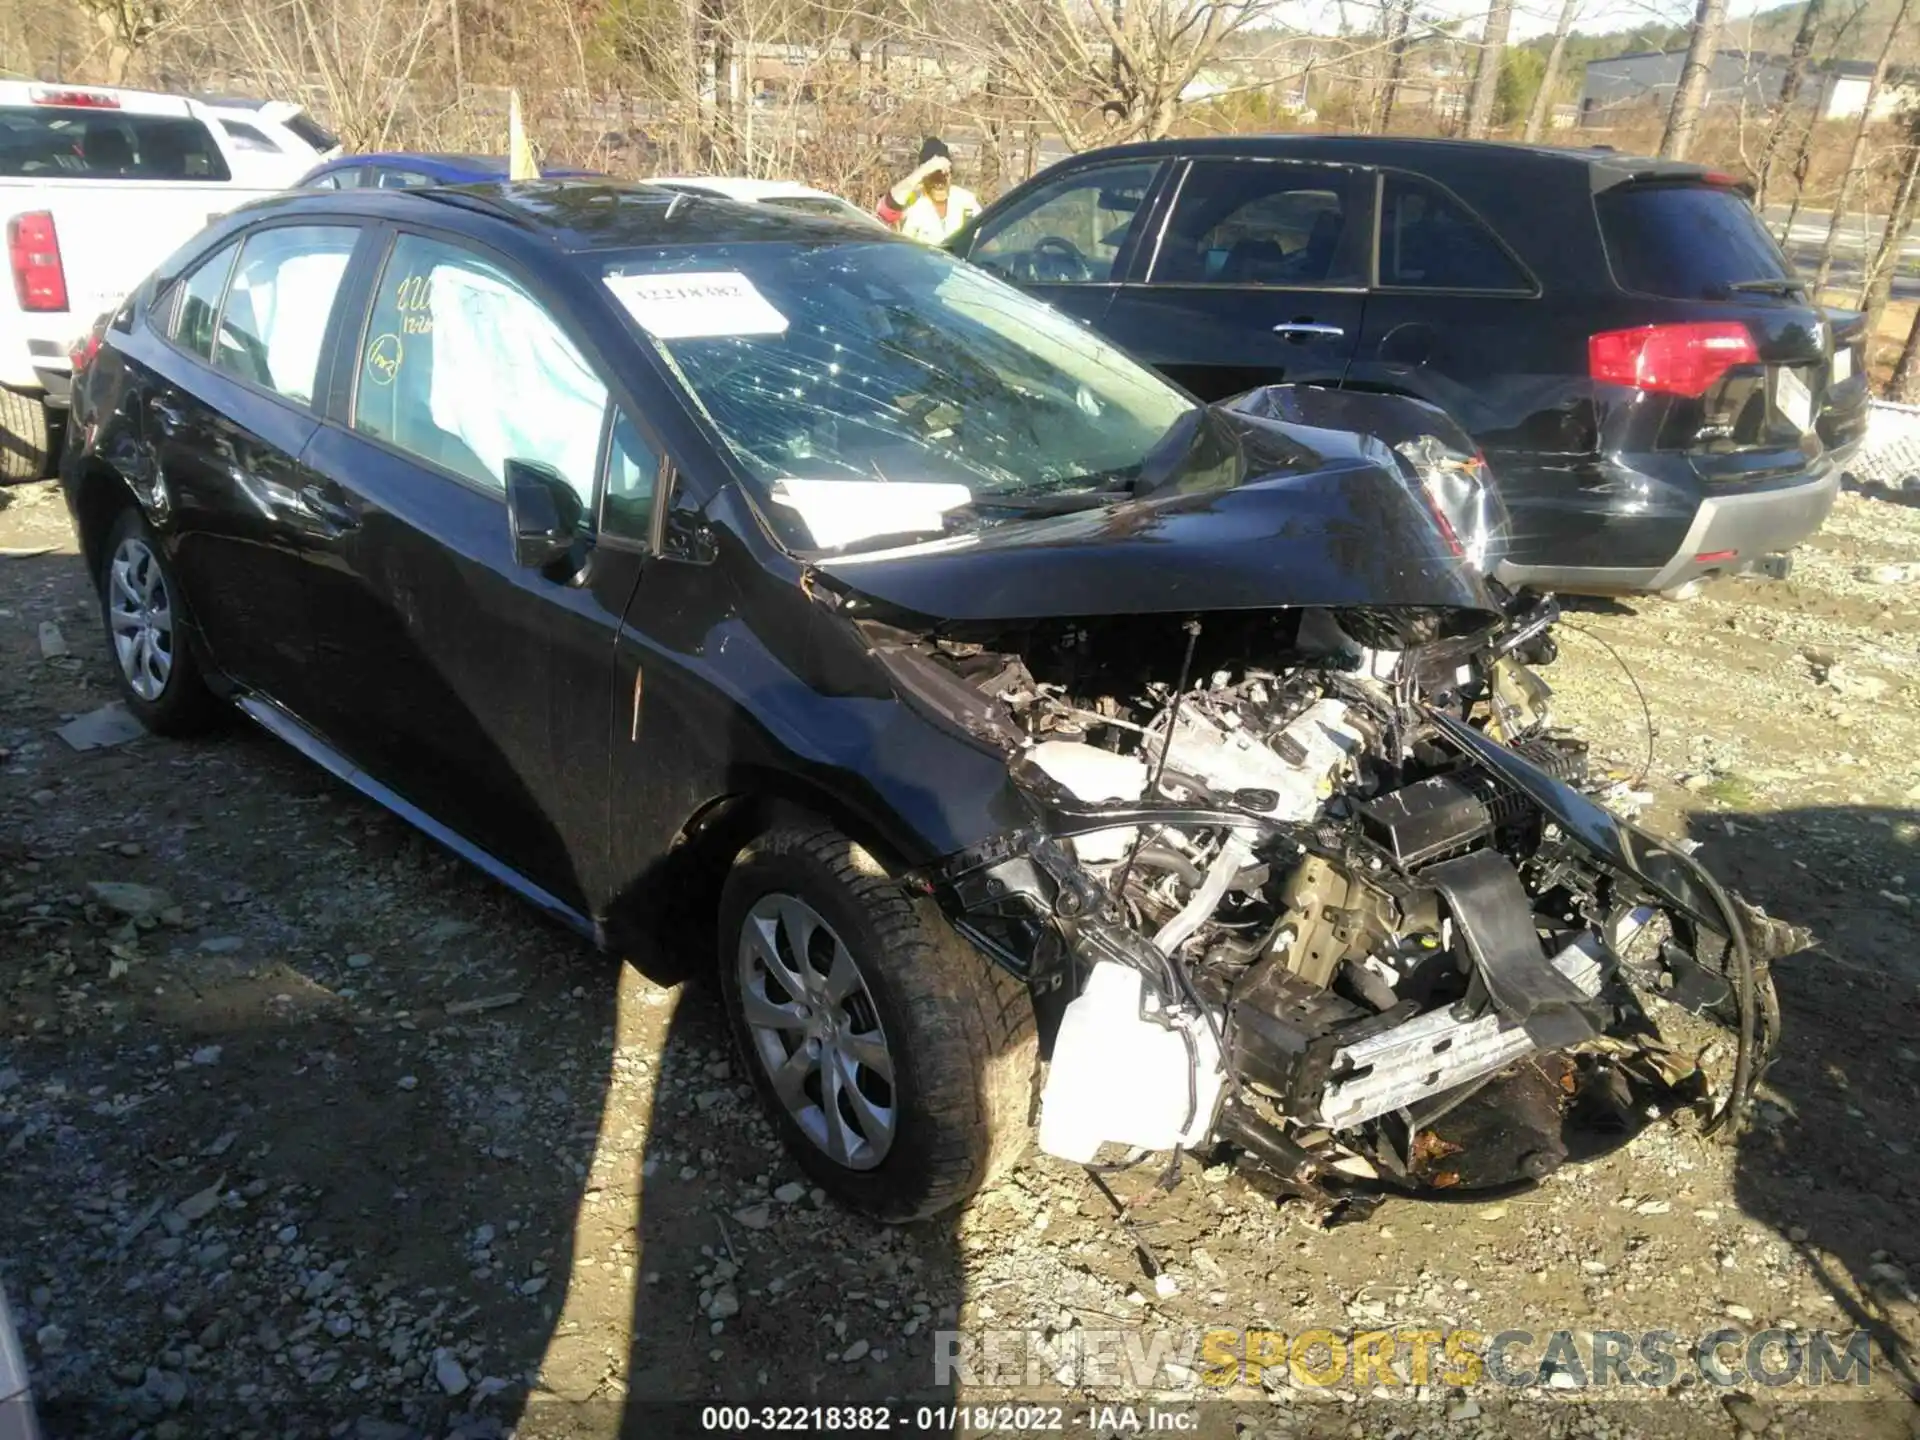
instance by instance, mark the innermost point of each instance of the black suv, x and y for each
(1647, 376)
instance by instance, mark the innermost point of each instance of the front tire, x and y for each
(895, 1061)
(153, 662)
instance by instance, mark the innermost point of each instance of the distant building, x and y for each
(1837, 89)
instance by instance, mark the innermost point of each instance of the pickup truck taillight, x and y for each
(34, 248)
(1675, 359)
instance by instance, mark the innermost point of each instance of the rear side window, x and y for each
(1430, 241)
(199, 305)
(311, 131)
(1266, 223)
(53, 143)
(277, 307)
(248, 137)
(1686, 242)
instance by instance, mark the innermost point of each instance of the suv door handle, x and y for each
(1308, 327)
(171, 417)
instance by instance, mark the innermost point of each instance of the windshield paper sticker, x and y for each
(707, 304)
(840, 512)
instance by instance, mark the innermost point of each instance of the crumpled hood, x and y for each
(1324, 519)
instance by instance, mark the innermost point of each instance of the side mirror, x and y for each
(543, 514)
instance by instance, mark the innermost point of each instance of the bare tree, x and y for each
(1904, 387)
(1486, 71)
(1696, 78)
(360, 55)
(1789, 117)
(1542, 107)
(1856, 156)
(1097, 71)
(1878, 282)
(1396, 21)
(129, 27)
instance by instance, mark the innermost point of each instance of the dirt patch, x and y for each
(333, 1137)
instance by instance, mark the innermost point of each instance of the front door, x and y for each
(1259, 277)
(1070, 240)
(476, 689)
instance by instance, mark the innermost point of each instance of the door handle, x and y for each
(171, 417)
(1303, 328)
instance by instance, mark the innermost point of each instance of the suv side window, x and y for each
(463, 368)
(198, 306)
(1430, 241)
(1069, 233)
(1267, 223)
(278, 303)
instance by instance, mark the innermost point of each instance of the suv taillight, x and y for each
(34, 248)
(1675, 359)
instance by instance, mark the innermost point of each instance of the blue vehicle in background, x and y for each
(402, 171)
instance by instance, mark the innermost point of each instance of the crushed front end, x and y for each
(1322, 886)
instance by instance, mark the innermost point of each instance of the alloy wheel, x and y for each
(816, 1032)
(140, 612)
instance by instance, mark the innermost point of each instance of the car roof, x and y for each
(1412, 151)
(735, 187)
(579, 214)
(442, 166)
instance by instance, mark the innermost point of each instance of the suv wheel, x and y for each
(895, 1061)
(26, 437)
(139, 601)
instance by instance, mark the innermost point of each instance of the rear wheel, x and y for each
(26, 437)
(895, 1061)
(139, 601)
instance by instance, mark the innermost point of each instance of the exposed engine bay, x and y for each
(1323, 886)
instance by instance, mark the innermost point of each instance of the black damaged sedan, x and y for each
(1026, 739)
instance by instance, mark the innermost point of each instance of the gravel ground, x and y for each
(308, 1130)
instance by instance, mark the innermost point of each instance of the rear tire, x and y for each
(153, 661)
(945, 1105)
(26, 437)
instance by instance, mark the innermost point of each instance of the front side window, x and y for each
(891, 367)
(1070, 233)
(278, 303)
(461, 367)
(198, 308)
(1266, 223)
(387, 178)
(1430, 241)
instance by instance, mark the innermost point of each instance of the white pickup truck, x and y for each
(96, 188)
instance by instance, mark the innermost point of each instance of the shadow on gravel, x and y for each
(1829, 1159)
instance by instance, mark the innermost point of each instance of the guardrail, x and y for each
(1890, 454)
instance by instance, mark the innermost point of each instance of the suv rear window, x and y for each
(53, 143)
(1686, 242)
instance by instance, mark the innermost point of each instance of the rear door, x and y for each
(1259, 276)
(231, 360)
(1457, 320)
(477, 690)
(1071, 239)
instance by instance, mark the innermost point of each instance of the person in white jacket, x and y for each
(926, 205)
